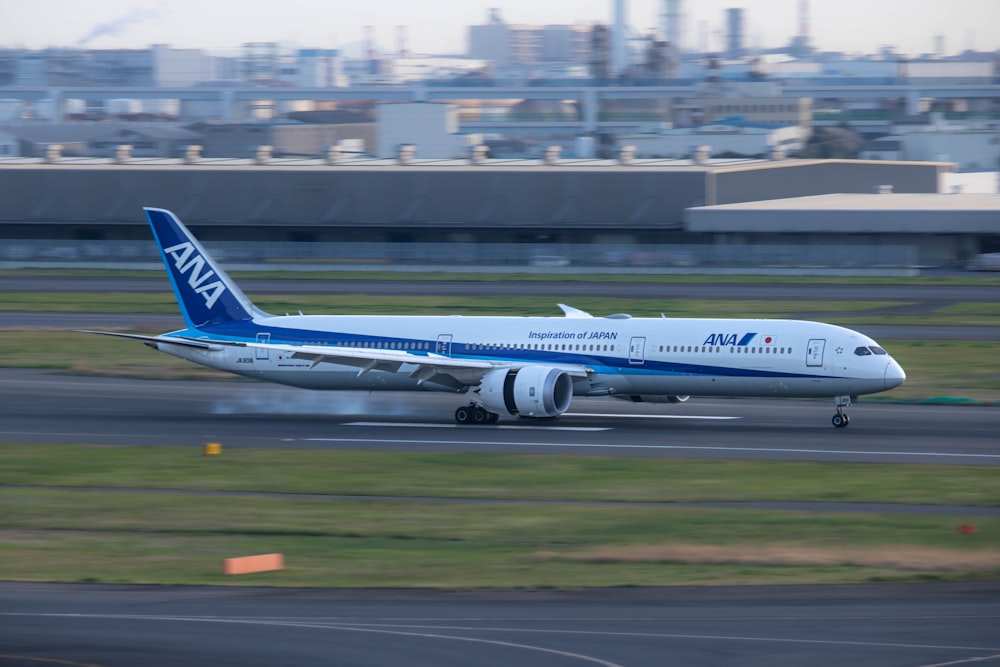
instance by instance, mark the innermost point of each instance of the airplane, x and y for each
(529, 367)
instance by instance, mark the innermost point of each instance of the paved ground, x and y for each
(125, 626)
(36, 406)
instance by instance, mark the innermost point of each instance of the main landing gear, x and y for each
(475, 414)
(841, 420)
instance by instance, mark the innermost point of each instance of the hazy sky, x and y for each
(438, 26)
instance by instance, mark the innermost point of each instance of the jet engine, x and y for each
(654, 398)
(531, 391)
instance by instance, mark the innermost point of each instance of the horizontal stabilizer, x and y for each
(171, 340)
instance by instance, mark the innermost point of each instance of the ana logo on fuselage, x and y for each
(186, 259)
(729, 339)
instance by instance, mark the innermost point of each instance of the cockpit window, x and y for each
(862, 351)
(876, 349)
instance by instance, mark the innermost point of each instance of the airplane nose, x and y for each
(894, 374)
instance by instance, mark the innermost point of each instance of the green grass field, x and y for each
(578, 522)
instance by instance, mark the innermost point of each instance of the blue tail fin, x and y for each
(204, 292)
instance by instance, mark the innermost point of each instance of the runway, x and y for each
(41, 407)
(876, 625)
(400, 286)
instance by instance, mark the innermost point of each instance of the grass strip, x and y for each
(493, 475)
(58, 535)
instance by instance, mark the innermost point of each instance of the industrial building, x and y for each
(944, 229)
(649, 213)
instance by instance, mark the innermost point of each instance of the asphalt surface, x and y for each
(877, 625)
(402, 287)
(36, 406)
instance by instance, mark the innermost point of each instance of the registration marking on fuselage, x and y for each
(507, 427)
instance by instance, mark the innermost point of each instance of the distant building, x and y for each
(734, 139)
(974, 146)
(242, 140)
(95, 139)
(734, 33)
(432, 130)
(753, 101)
(506, 44)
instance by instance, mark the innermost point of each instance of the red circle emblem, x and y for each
(767, 340)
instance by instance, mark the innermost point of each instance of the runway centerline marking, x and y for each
(507, 427)
(592, 445)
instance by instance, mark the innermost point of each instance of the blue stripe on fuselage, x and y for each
(246, 332)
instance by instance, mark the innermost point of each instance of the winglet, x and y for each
(570, 311)
(205, 293)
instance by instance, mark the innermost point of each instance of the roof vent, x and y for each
(123, 153)
(701, 154)
(478, 154)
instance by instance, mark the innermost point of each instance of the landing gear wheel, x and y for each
(841, 420)
(475, 414)
(480, 415)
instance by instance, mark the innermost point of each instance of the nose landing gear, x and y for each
(841, 420)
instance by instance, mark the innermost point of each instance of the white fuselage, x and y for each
(623, 355)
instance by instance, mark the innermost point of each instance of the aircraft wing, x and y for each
(429, 367)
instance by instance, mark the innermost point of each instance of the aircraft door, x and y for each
(262, 353)
(444, 345)
(814, 353)
(637, 351)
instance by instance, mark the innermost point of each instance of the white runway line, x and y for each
(491, 427)
(592, 445)
(621, 416)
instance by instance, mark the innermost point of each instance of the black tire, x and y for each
(840, 421)
(463, 415)
(480, 416)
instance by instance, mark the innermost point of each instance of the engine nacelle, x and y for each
(654, 398)
(532, 391)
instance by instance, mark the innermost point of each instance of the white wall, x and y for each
(973, 150)
(978, 182)
(181, 67)
(431, 128)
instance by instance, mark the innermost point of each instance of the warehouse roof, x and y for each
(854, 213)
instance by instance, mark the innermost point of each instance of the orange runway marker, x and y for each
(251, 564)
